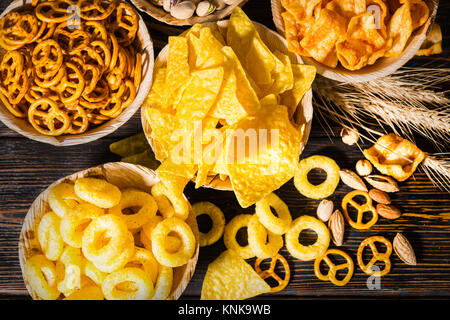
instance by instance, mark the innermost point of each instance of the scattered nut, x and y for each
(379, 196)
(325, 209)
(364, 167)
(183, 10)
(404, 250)
(349, 136)
(383, 183)
(388, 211)
(352, 180)
(337, 227)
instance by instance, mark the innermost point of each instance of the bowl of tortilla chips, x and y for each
(230, 108)
(355, 41)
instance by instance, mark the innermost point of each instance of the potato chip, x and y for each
(419, 12)
(229, 277)
(205, 50)
(284, 76)
(156, 97)
(303, 78)
(300, 9)
(178, 70)
(327, 30)
(380, 11)
(347, 8)
(433, 42)
(271, 162)
(399, 29)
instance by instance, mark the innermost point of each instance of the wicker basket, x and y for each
(160, 14)
(123, 175)
(274, 41)
(383, 66)
(23, 127)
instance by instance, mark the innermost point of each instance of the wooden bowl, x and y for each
(123, 175)
(23, 127)
(382, 67)
(274, 41)
(160, 14)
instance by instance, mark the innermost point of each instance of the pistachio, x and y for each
(183, 10)
(325, 209)
(205, 8)
(383, 183)
(363, 167)
(219, 4)
(352, 180)
(168, 4)
(349, 136)
(404, 250)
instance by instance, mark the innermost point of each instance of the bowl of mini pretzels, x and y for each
(72, 71)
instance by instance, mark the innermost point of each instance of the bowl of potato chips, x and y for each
(107, 233)
(229, 81)
(70, 74)
(355, 41)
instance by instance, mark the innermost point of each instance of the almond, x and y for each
(325, 209)
(363, 167)
(388, 211)
(379, 196)
(404, 250)
(352, 180)
(337, 227)
(383, 183)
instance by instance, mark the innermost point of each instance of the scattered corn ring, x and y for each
(141, 282)
(135, 198)
(98, 191)
(311, 252)
(276, 224)
(49, 236)
(257, 236)
(322, 190)
(41, 276)
(218, 222)
(62, 198)
(229, 235)
(158, 238)
(75, 222)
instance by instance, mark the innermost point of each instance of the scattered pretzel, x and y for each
(366, 207)
(333, 268)
(270, 273)
(377, 256)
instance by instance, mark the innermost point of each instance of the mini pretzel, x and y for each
(47, 57)
(125, 24)
(16, 30)
(47, 118)
(72, 84)
(366, 207)
(138, 70)
(19, 110)
(17, 90)
(97, 30)
(270, 273)
(333, 268)
(55, 11)
(71, 41)
(11, 67)
(79, 120)
(96, 9)
(377, 256)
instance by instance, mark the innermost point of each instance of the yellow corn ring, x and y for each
(135, 198)
(173, 243)
(61, 198)
(218, 222)
(119, 261)
(164, 283)
(141, 283)
(75, 222)
(257, 236)
(311, 252)
(50, 240)
(145, 260)
(71, 264)
(178, 203)
(97, 191)
(87, 293)
(109, 227)
(92, 272)
(158, 238)
(41, 276)
(276, 224)
(229, 236)
(322, 190)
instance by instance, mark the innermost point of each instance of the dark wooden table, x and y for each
(28, 167)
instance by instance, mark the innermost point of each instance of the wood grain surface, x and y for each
(28, 167)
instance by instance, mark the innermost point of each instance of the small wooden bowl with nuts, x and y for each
(187, 12)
